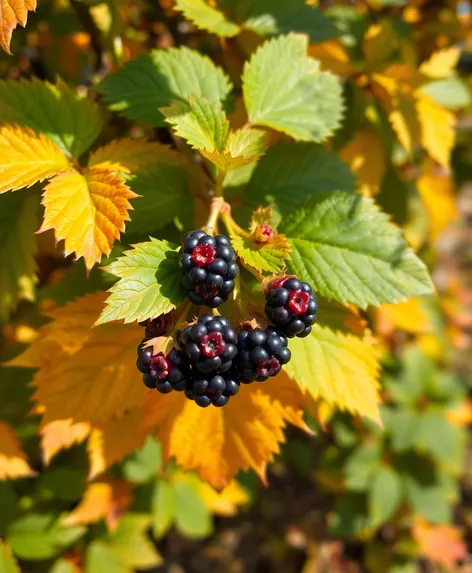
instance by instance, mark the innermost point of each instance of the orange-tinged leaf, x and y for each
(366, 155)
(441, 543)
(408, 315)
(88, 210)
(461, 415)
(102, 500)
(437, 129)
(129, 155)
(13, 462)
(245, 434)
(225, 502)
(437, 192)
(441, 63)
(12, 13)
(60, 435)
(27, 157)
(111, 441)
(332, 56)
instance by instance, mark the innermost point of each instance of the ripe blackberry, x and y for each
(209, 268)
(261, 353)
(214, 389)
(291, 306)
(164, 372)
(156, 326)
(210, 343)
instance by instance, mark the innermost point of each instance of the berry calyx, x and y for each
(298, 301)
(212, 344)
(159, 367)
(269, 367)
(264, 233)
(203, 255)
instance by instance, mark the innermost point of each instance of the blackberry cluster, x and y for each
(261, 354)
(163, 372)
(291, 306)
(214, 389)
(209, 268)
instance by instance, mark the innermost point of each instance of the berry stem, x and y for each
(219, 183)
(231, 225)
(217, 206)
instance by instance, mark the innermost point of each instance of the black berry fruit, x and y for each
(261, 354)
(214, 389)
(156, 326)
(291, 306)
(164, 372)
(209, 268)
(210, 343)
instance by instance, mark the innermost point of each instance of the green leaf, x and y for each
(249, 144)
(427, 498)
(131, 544)
(142, 86)
(439, 437)
(64, 566)
(350, 517)
(361, 465)
(149, 285)
(145, 463)
(8, 503)
(285, 90)
(403, 426)
(163, 507)
(384, 496)
(192, 516)
(348, 250)
(55, 110)
(290, 172)
(100, 558)
(268, 257)
(8, 563)
(451, 93)
(62, 483)
(164, 193)
(201, 122)
(206, 17)
(38, 536)
(18, 223)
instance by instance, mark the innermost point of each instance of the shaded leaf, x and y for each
(13, 462)
(384, 495)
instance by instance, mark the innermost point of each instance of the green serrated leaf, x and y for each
(131, 544)
(290, 172)
(348, 250)
(145, 463)
(247, 143)
(206, 17)
(384, 495)
(451, 93)
(361, 465)
(163, 507)
(149, 285)
(403, 427)
(438, 436)
(18, 223)
(270, 257)
(8, 563)
(100, 558)
(201, 122)
(55, 110)
(427, 497)
(192, 516)
(141, 87)
(285, 90)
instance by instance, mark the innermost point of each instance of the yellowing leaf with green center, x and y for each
(150, 283)
(285, 90)
(72, 121)
(437, 129)
(130, 155)
(27, 158)
(87, 210)
(245, 434)
(206, 17)
(13, 462)
(339, 369)
(349, 251)
(441, 63)
(12, 13)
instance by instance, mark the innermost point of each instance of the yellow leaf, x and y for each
(225, 502)
(404, 121)
(129, 155)
(380, 41)
(441, 63)
(339, 368)
(461, 415)
(437, 129)
(437, 192)
(111, 441)
(60, 435)
(12, 13)
(408, 315)
(245, 434)
(365, 153)
(332, 56)
(13, 462)
(102, 500)
(88, 210)
(441, 543)
(27, 157)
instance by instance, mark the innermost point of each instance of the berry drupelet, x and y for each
(156, 326)
(291, 306)
(163, 372)
(209, 268)
(210, 343)
(214, 389)
(261, 354)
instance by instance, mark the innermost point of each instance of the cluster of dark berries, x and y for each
(213, 359)
(209, 268)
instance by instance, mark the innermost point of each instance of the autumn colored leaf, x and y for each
(12, 13)
(436, 189)
(333, 57)
(27, 157)
(245, 434)
(441, 63)
(380, 41)
(227, 501)
(87, 210)
(60, 435)
(13, 462)
(408, 315)
(442, 544)
(437, 129)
